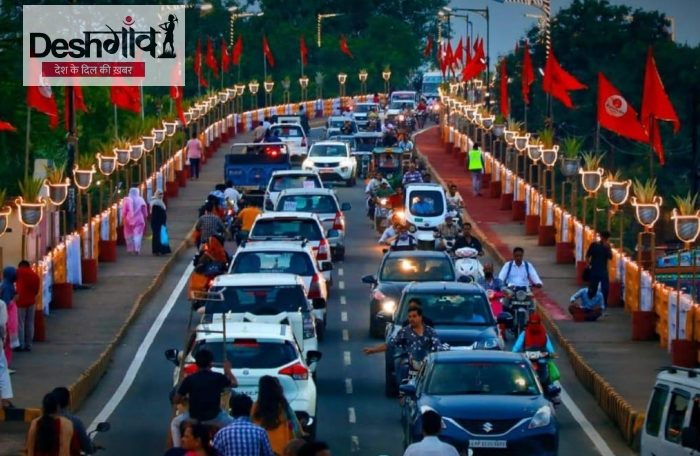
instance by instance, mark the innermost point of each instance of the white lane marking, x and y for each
(343, 316)
(347, 359)
(142, 351)
(343, 300)
(354, 444)
(348, 386)
(341, 272)
(352, 419)
(346, 335)
(341, 285)
(586, 425)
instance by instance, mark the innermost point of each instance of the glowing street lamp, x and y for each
(386, 75)
(342, 78)
(304, 84)
(362, 76)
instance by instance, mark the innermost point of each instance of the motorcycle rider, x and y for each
(403, 239)
(518, 272)
(370, 190)
(454, 199)
(417, 340)
(465, 239)
(446, 230)
(535, 338)
(489, 282)
(391, 231)
(412, 176)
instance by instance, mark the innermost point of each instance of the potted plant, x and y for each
(30, 204)
(122, 150)
(83, 170)
(534, 149)
(646, 203)
(686, 218)
(591, 172)
(499, 125)
(512, 131)
(570, 148)
(269, 84)
(5, 212)
(56, 183)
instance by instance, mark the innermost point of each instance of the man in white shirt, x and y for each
(431, 445)
(232, 194)
(519, 273)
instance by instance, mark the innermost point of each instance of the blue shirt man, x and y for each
(242, 437)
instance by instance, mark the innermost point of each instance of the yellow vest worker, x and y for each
(475, 162)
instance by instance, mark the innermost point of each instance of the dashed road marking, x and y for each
(341, 272)
(343, 300)
(352, 419)
(343, 316)
(346, 335)
(354, 444)
(348, 386)
(347, 359)
(341, 285)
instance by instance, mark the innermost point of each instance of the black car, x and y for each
(398, 269)
(459, 312)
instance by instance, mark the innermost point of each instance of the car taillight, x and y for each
(297, 371)
(315, 287)
(339, 222)
(323, 251)
(309, 328)
(190, 369)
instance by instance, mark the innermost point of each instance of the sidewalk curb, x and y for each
(628, 420)
(25, 415)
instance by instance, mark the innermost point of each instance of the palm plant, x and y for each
(591, 161)
(514, 125)
(686, 204)
(546, 136)
(85, 161)
(644, 191)
(55, 173)
(3, 196)
(571, 147)
(30, 189)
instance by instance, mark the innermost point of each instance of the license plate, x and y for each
(488, 443)
(253, 393)
(326, 170)
(419, 219)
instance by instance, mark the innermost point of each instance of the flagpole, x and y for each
(142, 103)
(26, 144)
(116, 123)
(651, 145)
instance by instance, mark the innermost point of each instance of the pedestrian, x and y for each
(81, 441)
(159, 217)
(50, 434)
(273, 413)
(242, 437)
(314, 449)
(28, 287)
(194, 150)
(8, 293)
(476, 167)
(5, 382)
(195, 440)
(598, 255)
(431, 445)
(590, 305)
(134, 214)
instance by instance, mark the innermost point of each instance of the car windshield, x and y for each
(401, 105)
(280, 183)
(450, 308)
(251, 353)
(321, 150)
(318, 204)
(336, 123)
(288, 131)
(486, 378)
(407, 96)
(366, 108)
(426, 203)
(287, 228)
(259, 300)
(419, 269)
(298, 263)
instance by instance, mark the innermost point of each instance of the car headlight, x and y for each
(389, 306)
(343, 168)
(541, 418)
(488, 344)
(307, 164)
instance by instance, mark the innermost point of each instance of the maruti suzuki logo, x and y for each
(487, 427)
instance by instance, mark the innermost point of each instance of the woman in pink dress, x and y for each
(134, 214)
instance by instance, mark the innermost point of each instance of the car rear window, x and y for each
(251, 353)
(259, 300)
(288, 131)
(280, 183)
(417, 269)
(318, 204)
(298, 263)
(366, 108)
(287, 228)
(445, 308)
(486, 378)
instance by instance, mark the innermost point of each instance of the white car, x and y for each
(294, 137)
(425, 209)
(361, 112)
(255, 350)
(265, 298)
(333, 161)
(286, 258)
(283, 180)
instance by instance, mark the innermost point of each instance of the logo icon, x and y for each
(169, 29)
(487, 427)
(616, 106)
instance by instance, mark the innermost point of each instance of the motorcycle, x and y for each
(382, 210)
(520, 303)
(101, 427)
(421, 116)
(540, 364)
(467, 264)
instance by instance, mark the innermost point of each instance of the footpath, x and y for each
(617, 371)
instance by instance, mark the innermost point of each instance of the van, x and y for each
(672, 422)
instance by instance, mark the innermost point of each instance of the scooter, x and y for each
(467, 264)
(540, 364)
(102, 427)
(382, 210)
(520, 303)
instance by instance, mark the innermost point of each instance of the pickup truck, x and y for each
(250, 165)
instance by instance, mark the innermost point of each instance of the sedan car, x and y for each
(490, 402)
(333, 161)
(283, 180)
(459, 312)
(398, 268)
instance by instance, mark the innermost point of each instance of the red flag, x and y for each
(126, 97)
(505, 105)
(616, 114)
(304, 51)
(225, 58)
(477, 64)
(176, 93)
(558, 82)
(210, 59)
(78, 103)
(458, 56)
(267, 52)
(528, 76)
(41, 98)
(237, 51)
(344, 46)
(428, 49)
(449, 56)
(6, 126)
(198, 65)
(468, 52)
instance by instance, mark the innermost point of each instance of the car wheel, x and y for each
(376, 328)
(391, 389)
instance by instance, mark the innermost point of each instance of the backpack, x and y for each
(510, 267)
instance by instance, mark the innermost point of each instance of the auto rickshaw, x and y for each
(388, 161)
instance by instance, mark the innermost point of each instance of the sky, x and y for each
(509, 23)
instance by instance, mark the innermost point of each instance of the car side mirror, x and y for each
(313, 356)
(103, 427)
(345, 207)
(326, 267)
(173, 355)
(505, 318)
(409, 389)
(690, 439)
(333, 233)
(369, 279)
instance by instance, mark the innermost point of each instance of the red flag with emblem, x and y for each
(237, 51)
(40, 96)
(268, 52)
(197, 64)
(210, 59)
(458, 56)
(176, 88)
(616, 114)
(304, 51)
(477, 64)
(344, 46)
(225, 58)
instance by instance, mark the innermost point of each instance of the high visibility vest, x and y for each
(475, 163)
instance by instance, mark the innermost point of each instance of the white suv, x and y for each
(286, 258)
(255, 350)
(294, 137)
(283, 180)
(333, 161)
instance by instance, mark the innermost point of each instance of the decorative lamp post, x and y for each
(647, 214)
(591, 180)
(240, 90)
(122, 155)
(386, 75)
(488, 122)
(342, 78)
(686, 227)
(170, 128)
(268, 86)
(5, 212)
(509, 136)
(618, 193)
(106, 164)
(362, 76)
(286, 84)
(304, 85)
(521, 142)
(83, 177)
(148, 143)
(454, 88)
(549, 159)
(188, 116)
(253, 87)
(30, 213)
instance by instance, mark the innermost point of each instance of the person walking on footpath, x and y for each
(431, 445)
(8, 294)
(5, 382)
(242, 437)
(590, 303)
(159, 218)
(475, 164)
(28, 287)
(598, 255)
(134, 214)
(51, 433)
(194, 150)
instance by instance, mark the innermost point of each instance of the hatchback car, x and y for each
(255, 350)
(324, 203)
(333, 161)
(283, 180)
(294, 137)
(490, 402)
(399, 268)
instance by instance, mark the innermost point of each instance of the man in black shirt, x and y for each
(203, 390)
(467, 240)
(598, 255)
